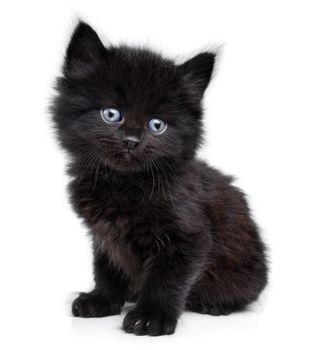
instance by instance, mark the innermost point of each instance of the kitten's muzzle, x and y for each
(131, 142)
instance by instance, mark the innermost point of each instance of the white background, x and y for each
(257, 120)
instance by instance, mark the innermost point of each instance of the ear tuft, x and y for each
(198, 71)
(84, 49)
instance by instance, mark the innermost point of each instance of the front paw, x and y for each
(147, 322)
(90, 305)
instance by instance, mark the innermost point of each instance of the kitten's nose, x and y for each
(131, 142)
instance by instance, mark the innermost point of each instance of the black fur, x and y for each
(169, 232)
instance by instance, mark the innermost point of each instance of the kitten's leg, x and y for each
(108, 296)
(169, 279)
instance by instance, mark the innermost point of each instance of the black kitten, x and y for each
(169, 232)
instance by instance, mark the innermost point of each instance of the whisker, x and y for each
(153, 180)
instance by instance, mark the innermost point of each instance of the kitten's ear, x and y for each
(198, 71)
(85, 49)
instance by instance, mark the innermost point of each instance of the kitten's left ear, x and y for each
(198, 71)
(85, 49)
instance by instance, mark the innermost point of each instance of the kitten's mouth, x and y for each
(126, 155)
(125, 160)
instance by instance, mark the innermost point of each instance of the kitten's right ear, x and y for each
(84, 50)
(198, 71)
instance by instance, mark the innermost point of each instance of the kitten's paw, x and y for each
(143, 322)
(89, 305)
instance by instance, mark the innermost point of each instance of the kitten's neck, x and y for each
(161, 173)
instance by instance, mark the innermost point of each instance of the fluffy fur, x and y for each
(169, 232)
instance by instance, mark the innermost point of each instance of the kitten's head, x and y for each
(128, 108)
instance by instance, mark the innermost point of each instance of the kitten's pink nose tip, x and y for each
(131, 142)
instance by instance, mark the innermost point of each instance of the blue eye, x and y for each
(157, 126)
(111, 115)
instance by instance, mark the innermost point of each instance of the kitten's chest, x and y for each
(117, 240)
(120, 222)
(111, 201)
(127, 242)
(121, 216)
